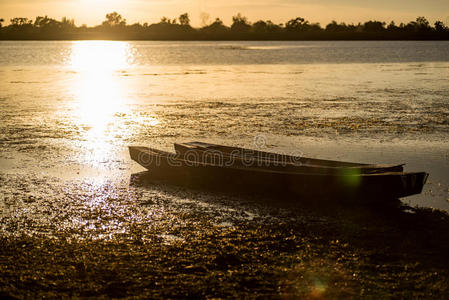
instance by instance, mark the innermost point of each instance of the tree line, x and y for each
(115, 27)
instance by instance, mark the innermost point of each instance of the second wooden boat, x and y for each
(273, 161)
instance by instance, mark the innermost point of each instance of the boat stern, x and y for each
(413, 183)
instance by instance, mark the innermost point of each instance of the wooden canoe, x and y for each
(359, 187)
(273, 161)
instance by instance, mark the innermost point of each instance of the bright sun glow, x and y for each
(99, 56)
(98, 91)
(101, 95)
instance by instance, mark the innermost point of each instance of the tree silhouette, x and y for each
(47, 25)
(216, 28)
(20, 22)
(300, 24)
(440, 27)
(335, 27)
(240, 23)
(184, 19)
(260, 26)
(374, 26)
(43, 22)
(392, 26)
(265, 27)
(114, 27)
(271, 27)
(114, 19)
(67, 23)
(296, 24)
(422, 24)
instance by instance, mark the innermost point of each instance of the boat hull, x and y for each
(360, 187)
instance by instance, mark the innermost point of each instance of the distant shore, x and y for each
(297, 29)
(322, 36)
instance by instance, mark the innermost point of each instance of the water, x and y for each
(70, 109)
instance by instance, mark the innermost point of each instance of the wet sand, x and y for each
(151, 240)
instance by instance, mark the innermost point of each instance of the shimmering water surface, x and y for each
(70, 109)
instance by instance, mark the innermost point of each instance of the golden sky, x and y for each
(92, 12)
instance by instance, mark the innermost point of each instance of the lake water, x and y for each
(70, 109)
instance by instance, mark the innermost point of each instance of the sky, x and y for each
(92, 12)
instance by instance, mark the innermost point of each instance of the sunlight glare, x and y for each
(99, 91)
(99, 56)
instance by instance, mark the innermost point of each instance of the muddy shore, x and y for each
(251, 247)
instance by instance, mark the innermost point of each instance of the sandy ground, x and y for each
(147, 240)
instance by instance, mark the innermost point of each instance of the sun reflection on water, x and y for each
(100, 56)
(99, 93)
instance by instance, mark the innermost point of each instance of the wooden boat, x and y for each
(176, 169)
(268, 160)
